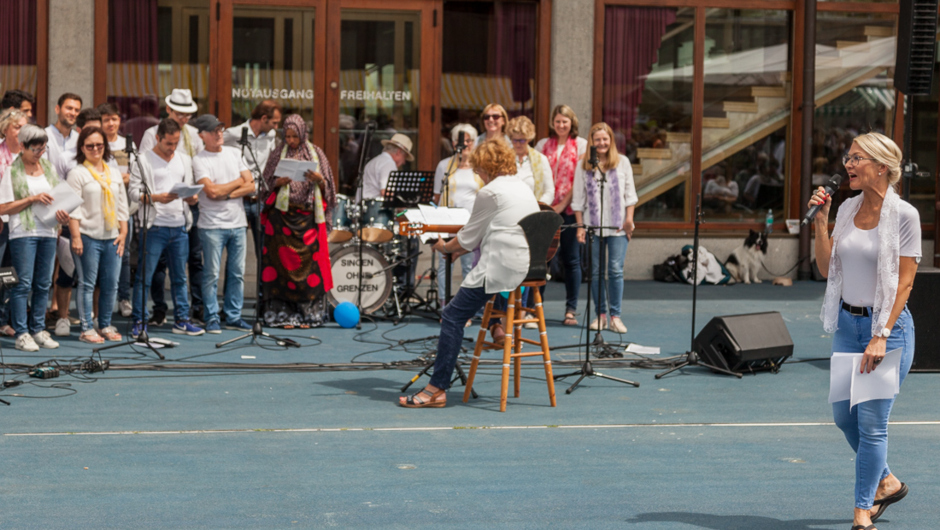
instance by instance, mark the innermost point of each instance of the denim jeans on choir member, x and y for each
(569, 255)
(33, 259)
(175, 241)
(466, 264)
(616, 247)
(4, 302)
(462, 308)
(124, 280)
(866, 425)
(98, 265)
(194, 265)
(234, 242)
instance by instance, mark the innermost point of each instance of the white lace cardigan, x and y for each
(886, 283)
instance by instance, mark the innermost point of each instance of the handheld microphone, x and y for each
(244, 139)
(593, 159)
(460, 141)
(831, 187)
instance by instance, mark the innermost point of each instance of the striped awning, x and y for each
(145, 79)
(474, 92)
(19, 77)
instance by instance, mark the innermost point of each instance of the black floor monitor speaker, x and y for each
(926, 313)
(745, 343)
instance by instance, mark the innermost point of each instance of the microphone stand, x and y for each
(257, 329)
(691, 357)
(143, 338)
(587, 370)
(366, 140)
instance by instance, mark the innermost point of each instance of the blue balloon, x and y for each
(346, 315)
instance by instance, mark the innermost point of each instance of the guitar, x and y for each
(410, 229)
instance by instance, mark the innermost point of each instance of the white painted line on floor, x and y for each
(461, 428)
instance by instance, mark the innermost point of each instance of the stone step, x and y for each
(678, 137)
(716, 123)
(769, 91)
(637, 169)
(856, 46)
(879, 31)
(739, 106)
(648, 152)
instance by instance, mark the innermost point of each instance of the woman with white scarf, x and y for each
(870, 262)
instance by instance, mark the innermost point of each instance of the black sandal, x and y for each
(883, 504)
(860, 527)
(571, 319)
(410, 403)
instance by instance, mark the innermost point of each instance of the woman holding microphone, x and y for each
(870, 261)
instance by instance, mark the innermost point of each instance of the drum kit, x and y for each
(385, 256)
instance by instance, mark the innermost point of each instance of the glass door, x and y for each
(380, 63)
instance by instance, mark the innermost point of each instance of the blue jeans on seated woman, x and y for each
(33, 259)
(98, 265)
(866, 425)
(616, 254)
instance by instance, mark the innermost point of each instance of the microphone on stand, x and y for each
(243, 141)
(129, 144)
(831, 187)
(460, 142)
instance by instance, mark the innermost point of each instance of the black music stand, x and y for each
(408, 189)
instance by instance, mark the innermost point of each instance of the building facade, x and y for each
(704, 96)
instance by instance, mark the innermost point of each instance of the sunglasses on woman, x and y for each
(488, 117)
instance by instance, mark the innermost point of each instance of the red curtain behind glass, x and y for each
(515, 47)
(132, 31)
(18, 32)
(632, 37)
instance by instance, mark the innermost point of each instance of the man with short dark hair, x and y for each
(167, 222)
(62, 133)
(262, 135)
(222, 223)
(18, 99)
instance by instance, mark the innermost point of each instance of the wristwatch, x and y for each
(885, 333)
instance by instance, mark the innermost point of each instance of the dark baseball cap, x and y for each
(206, 123)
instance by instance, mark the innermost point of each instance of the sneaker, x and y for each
(62, 327)
(44, 340)
(186, 327)
(599, 323)
(158, 318)
(530, 325)
(213, 327)
(137, 328)
(240, 325)
(616, 325)
(25, 342)
(126, 308)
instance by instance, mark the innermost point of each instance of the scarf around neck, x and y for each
(594, 198)
(107, 195)
(886, 282)
(21, 186)
(563, 165)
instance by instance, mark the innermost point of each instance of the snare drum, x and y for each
(376, 282)
(342, 226)
(377, 221)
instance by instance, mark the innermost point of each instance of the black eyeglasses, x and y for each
(854, 159)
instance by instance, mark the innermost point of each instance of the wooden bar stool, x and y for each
(539, 229)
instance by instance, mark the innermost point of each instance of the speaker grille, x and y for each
(917, 38)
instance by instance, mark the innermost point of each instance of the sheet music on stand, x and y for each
(438, 216)
(407, 189)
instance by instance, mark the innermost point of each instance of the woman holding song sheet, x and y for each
(870, 262)
(295, 270)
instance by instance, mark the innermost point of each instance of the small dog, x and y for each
(745, 262)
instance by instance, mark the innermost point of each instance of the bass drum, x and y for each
(376, 283)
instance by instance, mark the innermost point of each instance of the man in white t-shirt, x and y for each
(62, 134)
(222, 223)
(166, 218)
(394, 155)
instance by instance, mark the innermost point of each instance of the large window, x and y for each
(155, 46)
(489, 56)
(18, 47)
(648, 101)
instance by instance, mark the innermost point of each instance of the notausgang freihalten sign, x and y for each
(353, 95)
(375, 95)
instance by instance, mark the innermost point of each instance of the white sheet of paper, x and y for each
(847, 383)
(295, 169)
(63, 198)
(882, 383)
(185, 190)
(440, 216)
(642, 350)
(63, 250)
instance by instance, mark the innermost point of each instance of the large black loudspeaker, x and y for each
(745, 343)
(917, 40)
(926, 312)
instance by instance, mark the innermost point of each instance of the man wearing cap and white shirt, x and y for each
(375, 175)
(222, 223)
(180, 107)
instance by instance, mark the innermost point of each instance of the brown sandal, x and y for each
(571, 319)
(433, 402)
(500, 337)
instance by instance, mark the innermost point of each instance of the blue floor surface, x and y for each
(152, 444)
